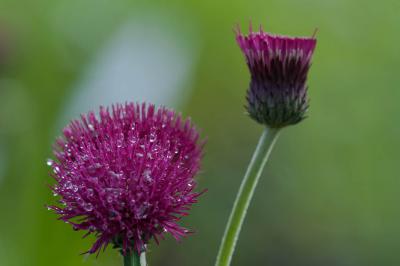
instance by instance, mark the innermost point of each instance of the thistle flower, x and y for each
(127, 176)
(277, 97)
(278, 64)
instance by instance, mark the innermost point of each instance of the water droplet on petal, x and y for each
(89, 192)
(142, 212)
(68, 185)
(146, 175)
(114, 174)
(88, 207)
(120, 140)
(56, 170)
(152, 137)
(133, 140)
(109, 198)
(49, 162)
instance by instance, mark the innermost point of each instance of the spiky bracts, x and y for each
(277, 96)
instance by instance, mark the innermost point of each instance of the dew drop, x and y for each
(68, 185)
(94, 179)
(56, 170)
(88, 207)
(146, 175)
(92, 169)
(117, 192)
(89, 192)
(109, 198)
(49, 162)
(152, 137)
(120, 140)
(91, 127)
(80, 201)
(75, 188)
(133, 140)
(114, 174)
(139, 154)
(143, 211)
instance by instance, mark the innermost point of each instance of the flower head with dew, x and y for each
(127, 175)
(278, 65)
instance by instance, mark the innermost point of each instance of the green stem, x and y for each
(243, 198)
(134, 259)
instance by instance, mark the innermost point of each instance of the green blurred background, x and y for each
(329, 195)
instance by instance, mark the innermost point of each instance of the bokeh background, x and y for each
(330, 194)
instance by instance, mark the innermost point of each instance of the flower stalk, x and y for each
(132, 259)
(245, 194)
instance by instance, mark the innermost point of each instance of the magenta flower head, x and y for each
(127, 175)
(277, 96)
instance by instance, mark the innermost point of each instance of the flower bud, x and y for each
(277, 96)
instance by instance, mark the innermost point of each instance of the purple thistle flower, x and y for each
(279, 65)
(127, 176)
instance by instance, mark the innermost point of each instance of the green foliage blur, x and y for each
(329, 195)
